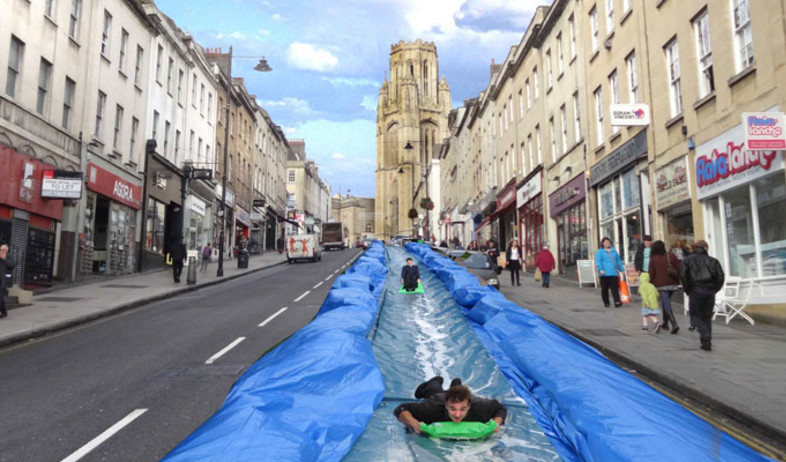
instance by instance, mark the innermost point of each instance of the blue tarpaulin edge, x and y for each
(311, 397)
(590, 408)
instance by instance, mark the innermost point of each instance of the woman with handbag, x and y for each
(664, 272)
(513, 258)
(609, 265)
(545, 263)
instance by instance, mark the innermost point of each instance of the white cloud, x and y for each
(351, 82)
(369, 102)
(276, 17)
(263, 32)
(338, 156)
(308, 57)
(237, 35)
(298, 105)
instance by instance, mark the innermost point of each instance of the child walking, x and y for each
(649, 303)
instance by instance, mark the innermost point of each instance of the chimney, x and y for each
(494, 68)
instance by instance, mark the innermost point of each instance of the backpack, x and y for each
(206, 252)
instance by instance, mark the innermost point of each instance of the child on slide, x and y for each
(410, 275)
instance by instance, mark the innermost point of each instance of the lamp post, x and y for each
(261, 66)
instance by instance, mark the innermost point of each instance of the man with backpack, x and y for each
(206, 252)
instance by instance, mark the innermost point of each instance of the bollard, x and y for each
(191, 277)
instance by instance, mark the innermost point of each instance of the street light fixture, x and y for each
(262, 66)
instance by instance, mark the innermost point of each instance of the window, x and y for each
(673, 70)
(599, 115)
(207, 153)
(134, 134)
(123, 49)
(118, 127)
(529, 152)
(199, 150)
(743, 34)
(523, 160)
(14, 65)
(549, 73)
(105, 34)
(49, 7)
(563, 120)
(535, 81)
(167, 131)
(594, 27)
(560, 55)
(193, 94)
(615, 95)
(625, 6)
(529, 94)
(609, 16)
(191, 144)
(209, 104)
(553, 135)
(100, 106)
(68, 102)
(169, 71)
(576, 118)
(572, 31)
(202, 99)
(155, 125)
(138, 66)
(701, 29)
(73, 20)
(180, 76)
(540, 146)
(177, 144)
(510, 109)
(633, 79)
(44, 82)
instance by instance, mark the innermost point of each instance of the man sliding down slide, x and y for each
(410, 276)
(448, 414)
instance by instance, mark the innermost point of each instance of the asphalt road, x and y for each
(132, 386)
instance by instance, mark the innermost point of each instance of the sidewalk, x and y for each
(743, 377)
(80, 303)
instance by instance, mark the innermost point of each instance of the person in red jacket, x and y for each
(545, 263)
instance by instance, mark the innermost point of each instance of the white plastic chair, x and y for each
(730, 301)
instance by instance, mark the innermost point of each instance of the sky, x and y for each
(329, 60)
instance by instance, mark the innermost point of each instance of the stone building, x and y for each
(411, 123)
(308, 196)
(357, 216)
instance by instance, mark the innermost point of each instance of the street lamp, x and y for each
(424, 179)
(262, 66)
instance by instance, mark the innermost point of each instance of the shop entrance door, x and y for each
(101, 235)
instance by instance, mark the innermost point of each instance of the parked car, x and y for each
(478, 263)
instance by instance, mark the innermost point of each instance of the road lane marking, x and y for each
(303, 295)
(320, 283)
(95, 442)
(224, 351)
(272, 317)
(327, 278)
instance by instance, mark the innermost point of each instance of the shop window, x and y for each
(606, 201)
(771, 202)
(154, 239)
(739, 232)
(678, 223)
(631, 196)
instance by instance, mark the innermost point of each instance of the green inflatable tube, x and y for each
(419, 290)
(460, 430)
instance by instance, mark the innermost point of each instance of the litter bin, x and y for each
(242, 259)
(192, 271)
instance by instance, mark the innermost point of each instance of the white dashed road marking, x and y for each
(320, 283)
(272, 317)
(303, 295)
(224, 351)
(84, 450)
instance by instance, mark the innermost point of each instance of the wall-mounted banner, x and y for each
(61, 184)
(671, 184)
(764, 130)
(627, 115)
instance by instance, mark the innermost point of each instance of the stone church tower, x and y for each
(412, 122)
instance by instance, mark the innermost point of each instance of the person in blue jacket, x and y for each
(609, 265)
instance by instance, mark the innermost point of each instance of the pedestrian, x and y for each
(702, 277)
(664, 271)
(642, 258)
(177, 253)
(206, 252)
(545, 263)
(492, 251)
(649, 303)
(6, 265)
(609, 265)
(280, 244)
(513, 261)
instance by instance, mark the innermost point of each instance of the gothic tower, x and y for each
(412, 122)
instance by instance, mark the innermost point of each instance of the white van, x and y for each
(303, 247)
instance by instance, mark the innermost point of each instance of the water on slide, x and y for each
(418, 337)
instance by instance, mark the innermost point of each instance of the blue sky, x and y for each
(330, 58)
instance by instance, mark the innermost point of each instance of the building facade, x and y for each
(308, 196)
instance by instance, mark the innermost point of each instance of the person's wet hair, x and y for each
(457, 394)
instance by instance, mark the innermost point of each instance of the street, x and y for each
(132, 386)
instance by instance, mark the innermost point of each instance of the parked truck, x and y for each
(333, 235)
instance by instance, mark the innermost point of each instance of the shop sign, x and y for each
(242, 216)
(20, 176)
(626, 154)
(111, 185)
(723, 163)
(198, 206)
(526, 193)
(764, 130)
(61, 184)
(257, 217)
(671, 184)
(570, 194)
(230, 199)
(462, 217)
(627, 115)
(506, 198)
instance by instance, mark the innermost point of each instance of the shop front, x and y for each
(197, 234)
(619, 184)
(227, 223)
(529, 202)
(28, 220)
(108, 240)
(672, 201)
(743, 196)
(506, 214)
(242, 227)
(567, 206)
(163, 214)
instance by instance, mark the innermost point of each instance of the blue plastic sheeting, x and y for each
(597, 409)
(311, 397)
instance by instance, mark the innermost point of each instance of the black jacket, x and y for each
(638, 259)
(178, 252)
(433, 409)
(701, 272)
(5, 267)
(410, 271)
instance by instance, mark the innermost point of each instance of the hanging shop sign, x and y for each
(723, 163)
(627, 115)
(61, 184)
(526, 193)
(113, 186)
(671, 184)
(243, 217)
(764, 130)
(198, 206)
